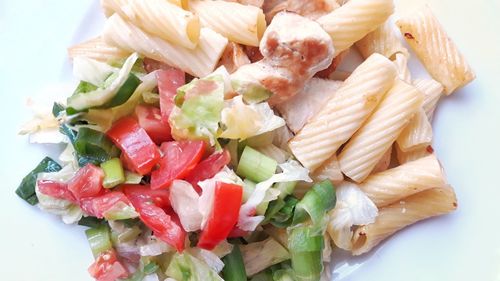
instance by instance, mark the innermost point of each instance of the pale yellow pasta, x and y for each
(239, 23)
(355, 20)
(432, 91)
(112, 6)
(200, 61)
(384, 162)
(437, 52)
(417, 134)
(98, 50)
(343, 114)
(401, 63)
(382, 40)
(413, 154)
(165, 20)
(392, 218)
(392, 185)
(330, 170)
(368, 145)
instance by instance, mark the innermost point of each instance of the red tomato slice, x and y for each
(179, 159)
(143, 193)
(139, 149)
(208, 167)
(107, 267)
(127, 163)
(97, 206)
(224, 215)
(163, 225)
(55, 189)
(149, 118)
(87, 182)
(168, 82)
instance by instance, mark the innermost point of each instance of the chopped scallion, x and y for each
(113, 173)
(255, 165)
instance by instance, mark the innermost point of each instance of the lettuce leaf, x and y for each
(185, 202)
(92, 71)
(188, 268)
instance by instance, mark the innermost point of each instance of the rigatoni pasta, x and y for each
(330, 170)
(439, 54)
(97, 49)
(200, 61)
(401, 63)
(417, 134)
(355, 20)
(432, 91)
(392, 218)
(342, 115)
(367, 146)
(239, 23)
(392, 185)
(382, 40)
(411, 155)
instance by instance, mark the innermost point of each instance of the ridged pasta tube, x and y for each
(383, 40)
(392, 218)
(417, 134)
(432, 91)
(437, 52)
(330, 170)
(342, 115)
(368, 145)
(414, 154)
(200, 61)
(354, 20)
(243, 24)
(392, 185)
(97, 49)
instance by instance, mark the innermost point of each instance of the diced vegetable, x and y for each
(55, 189)
(284, 217)
(149, 118)
(234, 269)
(113, 173)
(316, 203)
(113, 205)
(87, 182)
(261, 255)
(185, 202)
(284, 275)
(208, 167)
(26, 189)
(255, 165)
(144, 194)
(135, 143)
(125, 91)
(306, 245)
(224, 215)
(248, 189)
(57, 108)
(92, 222)
(107, 267)
(179, 159)
(93, 147)
(99, 239)
(188, 268)
(168, 82)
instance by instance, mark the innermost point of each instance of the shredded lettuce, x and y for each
(92, 71)
(208, 257)
(242, 121)
(185, 202)
(353, 208)
(261, 255)
(208, 188)
(291, 171)
(188, 268)
(198, 109)
(100, 96)
(251, 91)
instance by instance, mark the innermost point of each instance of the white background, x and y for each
(462, 246)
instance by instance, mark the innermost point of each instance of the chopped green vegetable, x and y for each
(255, 165)
(93, 147)
(234, 269)
(252, 92)
(316, 203)
(132, 178)
(26, 189)
(284, 217)
(151, 98)
(261, 255)
(92, 222)
(285, 188)
(125, 91)
(284, 275)
(99, 239)
(188, 268)
(113, 173)
(57, 108)
(306, 245)
(120, 211)
(265, 275)
(248, 188)
(84, 87)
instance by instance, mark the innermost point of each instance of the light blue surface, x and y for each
(462, 246)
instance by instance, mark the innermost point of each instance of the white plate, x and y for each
(460, 246)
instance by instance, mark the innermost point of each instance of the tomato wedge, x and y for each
(143, 193)
(139, 149)
(168, 82)
(98, 206)
(149, 118)
(224, 215)
(87, 182)
(208, 167)
(55, 189)
(165, 226)
(179, 159)
(107, 267)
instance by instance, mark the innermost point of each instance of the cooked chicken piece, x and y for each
(256, 3)
(297, 110)
(325, 73)
(233, 57)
